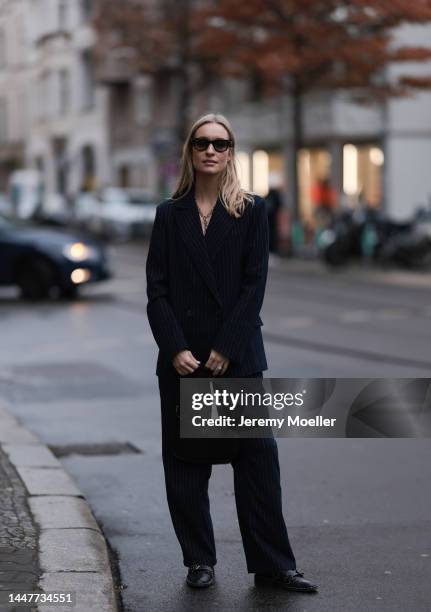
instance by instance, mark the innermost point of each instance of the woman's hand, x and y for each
(185, 363)
(217, 363)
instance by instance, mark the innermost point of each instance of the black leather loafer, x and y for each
(200, 576)
(290, 580)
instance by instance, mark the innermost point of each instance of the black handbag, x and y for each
(203, 450)
(195, 450)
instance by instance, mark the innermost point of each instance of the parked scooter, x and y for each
(366, 233)
(342, 240)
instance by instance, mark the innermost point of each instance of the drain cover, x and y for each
(96, 450)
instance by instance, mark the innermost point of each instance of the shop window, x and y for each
(362, 174)
(243, 160)
(260, 172)
(350, 170)
(314, 167)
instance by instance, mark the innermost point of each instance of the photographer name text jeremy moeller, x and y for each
(229, 421)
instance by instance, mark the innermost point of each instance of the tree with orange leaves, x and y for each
(295, 46)
(300, 46)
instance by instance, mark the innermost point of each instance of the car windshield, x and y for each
(9, 223)
(4, 223)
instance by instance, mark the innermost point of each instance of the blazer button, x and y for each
(189, 313)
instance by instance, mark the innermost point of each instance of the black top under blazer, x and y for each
(206, 291)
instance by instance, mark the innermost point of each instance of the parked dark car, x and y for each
(44, 262)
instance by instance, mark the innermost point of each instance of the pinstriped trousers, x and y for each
(258, 501)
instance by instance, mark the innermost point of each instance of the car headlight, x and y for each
(78, 251)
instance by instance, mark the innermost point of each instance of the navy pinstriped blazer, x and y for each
(206, 291)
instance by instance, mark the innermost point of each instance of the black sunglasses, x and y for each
(220, 144)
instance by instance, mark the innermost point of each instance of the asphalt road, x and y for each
(82, 376)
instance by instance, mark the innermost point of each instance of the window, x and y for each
(2, 49)
(124, 176)
(64, 84)
(350, 169)
(314, 166)
(243, 160)
(88, 85)
(362, 173)
(86, 9)
(21, 112)
(88, 168)
(142, 100)
(260, 172)
(21, 42)
(62, 14)
(44, 95)
(3, 120)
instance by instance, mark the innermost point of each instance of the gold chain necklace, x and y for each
(205, 218)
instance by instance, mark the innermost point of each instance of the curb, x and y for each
(73, 553)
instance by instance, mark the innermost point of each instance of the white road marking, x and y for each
(355, 316)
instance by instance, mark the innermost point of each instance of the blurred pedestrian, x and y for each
(206, 275)
(273, 205)
(325, 199)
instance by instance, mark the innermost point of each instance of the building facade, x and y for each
(14, 94)
(85, 124)
(377, 153)
(131, 123)
(68, 140)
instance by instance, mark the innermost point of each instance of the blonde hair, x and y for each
(233, 197)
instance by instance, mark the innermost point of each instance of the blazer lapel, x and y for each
(220, 225)
(189, 226)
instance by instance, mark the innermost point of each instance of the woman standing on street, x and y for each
(206, 275)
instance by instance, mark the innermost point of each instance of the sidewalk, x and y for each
(19, 566)
(360, 272)
(307, 263)
(49, 539)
